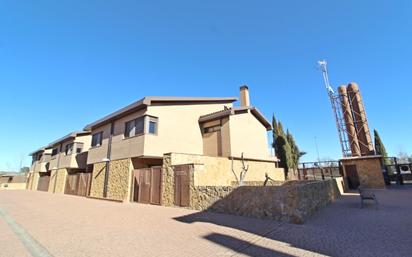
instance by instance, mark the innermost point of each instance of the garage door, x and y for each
(147, 185)
(78, 183)
(43, 184)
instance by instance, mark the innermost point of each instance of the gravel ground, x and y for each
(74, 226)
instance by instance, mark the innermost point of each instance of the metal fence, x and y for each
(319, 170)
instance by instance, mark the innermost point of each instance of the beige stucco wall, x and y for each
(249, 136)
(41, 165)
(12, 186)
(96, 154)
(178, 129)
(74, 160)
(118, 182)
(217, 171)
(54, 160)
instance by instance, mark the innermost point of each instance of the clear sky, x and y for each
(66, 63)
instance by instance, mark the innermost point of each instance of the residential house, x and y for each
(68, 163)
(39, 174)
(133, 149)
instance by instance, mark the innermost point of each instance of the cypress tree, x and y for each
(274, 131)
(380, 147)
(296, 153)
(281, 145)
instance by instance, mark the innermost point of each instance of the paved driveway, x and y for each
(43, 224)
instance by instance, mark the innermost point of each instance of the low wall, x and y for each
(217, 171)
(13, 186)
(294, 201)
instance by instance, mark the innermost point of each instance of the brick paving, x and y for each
(75, 226)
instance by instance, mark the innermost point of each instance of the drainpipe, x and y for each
(57, 167)
(107, 160)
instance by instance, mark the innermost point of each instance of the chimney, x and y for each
(244, 96)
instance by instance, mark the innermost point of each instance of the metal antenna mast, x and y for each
(337, 110)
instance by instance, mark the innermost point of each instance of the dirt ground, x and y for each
(43, 224)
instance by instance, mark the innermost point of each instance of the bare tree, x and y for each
(243, 171)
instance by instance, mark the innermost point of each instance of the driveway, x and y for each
(43, 224)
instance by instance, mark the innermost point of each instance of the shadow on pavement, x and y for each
(340, 229)
(242, 246)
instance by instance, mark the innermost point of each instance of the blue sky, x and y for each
(64, 64)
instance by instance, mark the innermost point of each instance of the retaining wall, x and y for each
(293, 202)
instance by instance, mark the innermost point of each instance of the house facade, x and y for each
(39, 174)
(162, 150)
(68, 161)
(129, 146)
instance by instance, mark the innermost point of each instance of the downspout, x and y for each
(108, 156)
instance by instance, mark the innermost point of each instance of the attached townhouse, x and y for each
(68, 164)
(158, 149)
(161, 150)
(39, 174)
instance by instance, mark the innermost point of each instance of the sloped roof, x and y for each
(150, 100)
(237, 110)
(70, 136)
(40, 150)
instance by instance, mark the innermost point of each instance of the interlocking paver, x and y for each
(75, 226)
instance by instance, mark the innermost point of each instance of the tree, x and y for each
(282, 147)
(284, 153)
(296, 153)
(380, 148)
(242, 173)
(25, 170)
(274, 131)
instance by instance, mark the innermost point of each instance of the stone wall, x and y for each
(60, 181)
(96, 188)
(167, 193)
(53, 175)
(118, 181)
(369, 171)
(294, 201)
(33, 181)
(217, 171)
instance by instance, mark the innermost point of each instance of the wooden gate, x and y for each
(182, 185)
(147, 185)
(43, 184)
(78, 184)
(352, 175)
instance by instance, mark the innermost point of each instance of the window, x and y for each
(153, 126)
(211, 129)
(134, 127)
(78, 150)
(97, 139)
(69, 149)
(54, 151)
